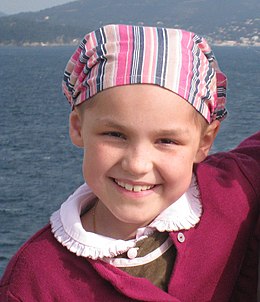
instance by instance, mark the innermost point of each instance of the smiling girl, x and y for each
(157, 219)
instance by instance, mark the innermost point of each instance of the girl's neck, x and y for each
(101, 221)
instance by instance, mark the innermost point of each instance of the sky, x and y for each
(16, 6)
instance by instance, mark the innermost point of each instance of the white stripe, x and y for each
(188, 83)
(164, 56)
(136, 53)
(123, 262)
(104, 62)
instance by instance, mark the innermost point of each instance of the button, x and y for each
(181, 237)
(132, 253)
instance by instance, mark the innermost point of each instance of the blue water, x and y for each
(40, 167)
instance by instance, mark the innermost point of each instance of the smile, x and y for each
(133, 188)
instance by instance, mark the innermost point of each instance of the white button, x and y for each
(181, 237)
(132, 253)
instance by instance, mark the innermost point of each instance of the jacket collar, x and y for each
(67, 228)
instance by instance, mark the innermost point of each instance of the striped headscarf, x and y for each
(175, 59)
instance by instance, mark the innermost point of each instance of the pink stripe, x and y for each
(148, 44)
(186, 64)
(130, 54)
(154, 40)
(124, 61)
(121, 60)
(92, 84)
(202, 73)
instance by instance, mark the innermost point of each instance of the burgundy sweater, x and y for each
(217, 262)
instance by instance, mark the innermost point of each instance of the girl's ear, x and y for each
(207, 138)
(75, 129)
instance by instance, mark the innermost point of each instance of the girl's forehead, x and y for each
(143, 103)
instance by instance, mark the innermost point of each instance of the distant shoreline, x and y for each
(77, 41)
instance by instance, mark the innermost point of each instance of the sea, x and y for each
(39, 167)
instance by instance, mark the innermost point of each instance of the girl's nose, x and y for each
(137, 161)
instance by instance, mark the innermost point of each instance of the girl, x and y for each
(157, 219)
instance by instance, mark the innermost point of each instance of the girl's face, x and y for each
(140, 143)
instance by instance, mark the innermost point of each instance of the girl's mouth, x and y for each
(133, 188)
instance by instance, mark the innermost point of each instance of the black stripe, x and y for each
(101, 54)
(160, 53)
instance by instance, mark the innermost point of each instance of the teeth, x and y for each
(137, 188)
(129, 187)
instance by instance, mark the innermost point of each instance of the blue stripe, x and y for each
(101, 54)
(208, 80)
(141, 55)
(137, 58)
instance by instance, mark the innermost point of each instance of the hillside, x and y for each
(232, 21)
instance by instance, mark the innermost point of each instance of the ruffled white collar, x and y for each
(66, 224)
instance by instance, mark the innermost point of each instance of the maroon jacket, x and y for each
(217, 261)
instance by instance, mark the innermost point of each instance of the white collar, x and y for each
(66, 224)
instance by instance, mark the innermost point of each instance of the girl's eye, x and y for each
(167, 141)
(115, 134)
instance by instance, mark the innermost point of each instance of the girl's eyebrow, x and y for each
(110, 123)
(174, 131)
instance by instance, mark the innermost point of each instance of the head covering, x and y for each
(175, 59)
